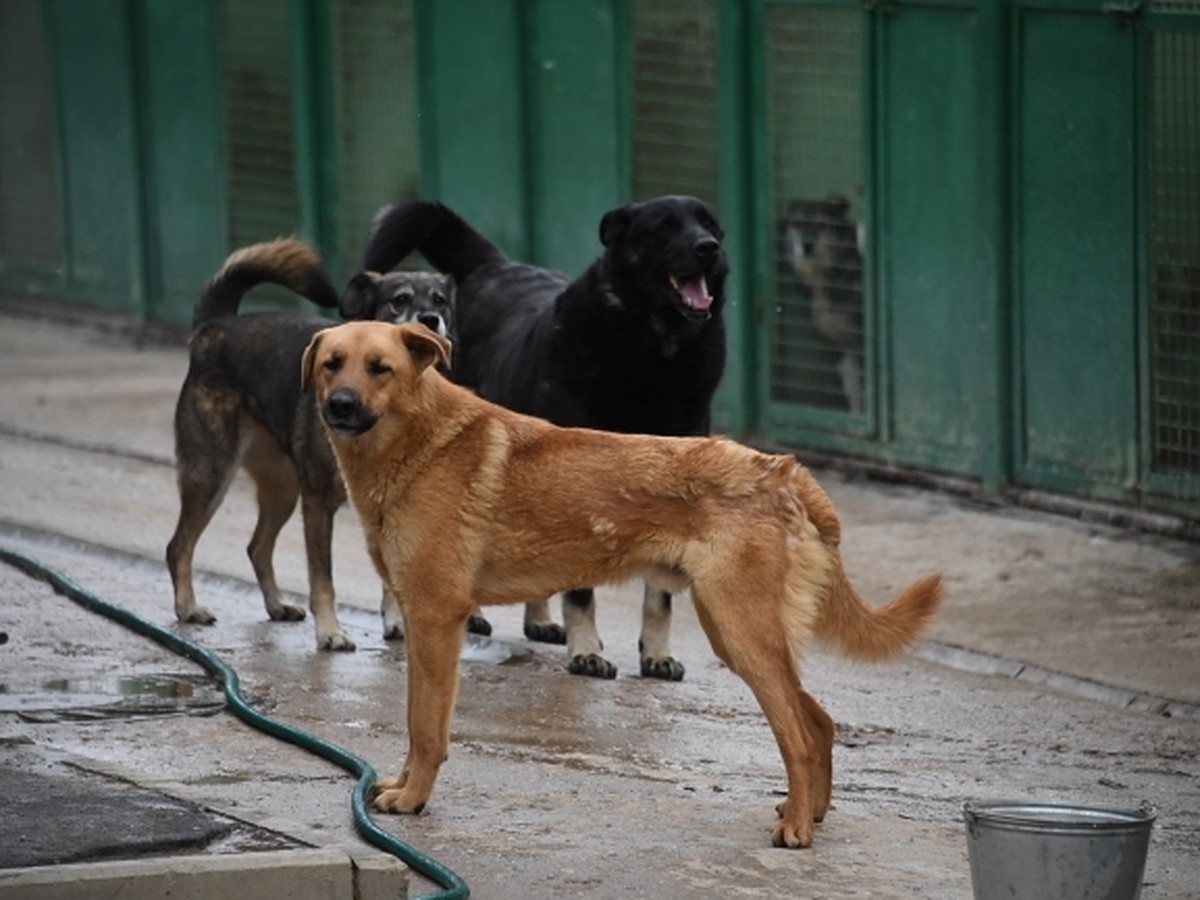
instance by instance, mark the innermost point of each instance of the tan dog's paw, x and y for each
(818, 814)
(792, 834)
(335, 641)
(285, 612)
(397, 800)
(388, 784)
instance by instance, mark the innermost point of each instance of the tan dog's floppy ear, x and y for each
(309, 360)
(425, 347)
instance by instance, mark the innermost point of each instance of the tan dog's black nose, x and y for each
(345, 412)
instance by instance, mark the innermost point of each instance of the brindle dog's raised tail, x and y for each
(285, 261)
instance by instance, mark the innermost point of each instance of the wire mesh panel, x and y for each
(674, 98)
(814, 107)
(255, 52)
(1173, 201)
(376, 109)
(30, 236)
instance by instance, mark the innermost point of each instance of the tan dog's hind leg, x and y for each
(434, 632)
(756, 648)
(822, 730)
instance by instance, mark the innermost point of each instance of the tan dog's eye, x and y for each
(332, 364)
(378, 367)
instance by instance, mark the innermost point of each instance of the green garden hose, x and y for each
(454, 887)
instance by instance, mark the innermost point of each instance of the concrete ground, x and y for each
(1065, 667)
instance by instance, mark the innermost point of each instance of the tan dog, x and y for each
(464, 501)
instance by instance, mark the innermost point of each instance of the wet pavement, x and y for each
(1065, 667)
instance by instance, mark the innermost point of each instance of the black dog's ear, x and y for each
(309, 361)
(425, 347)
(614, 224)
(360, 299)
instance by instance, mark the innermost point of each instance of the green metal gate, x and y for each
(1170, 369)
(982, 224)
(1106, 226)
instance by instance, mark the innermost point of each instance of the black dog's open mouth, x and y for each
(693, 294)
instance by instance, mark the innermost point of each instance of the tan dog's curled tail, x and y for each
(871, 633)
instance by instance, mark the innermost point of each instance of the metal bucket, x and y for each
(1042, 851)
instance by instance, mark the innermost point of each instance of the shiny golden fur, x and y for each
(464, 501)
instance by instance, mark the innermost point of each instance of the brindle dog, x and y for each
(241, 405)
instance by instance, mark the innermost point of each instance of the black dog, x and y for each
(635, 344)
(241, 404)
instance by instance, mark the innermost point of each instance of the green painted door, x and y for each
(1075, 248)
(186, 238)
(92, 49)
(935, 148)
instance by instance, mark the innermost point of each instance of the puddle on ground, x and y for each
(108, 696)
(494, 652)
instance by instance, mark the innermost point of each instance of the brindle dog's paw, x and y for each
(198, 616)
(335, 641)
(546, 632)
(593, 665)
(668, 668)
(285, 612)
(479, 625)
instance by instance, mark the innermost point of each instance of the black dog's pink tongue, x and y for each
(695, 293)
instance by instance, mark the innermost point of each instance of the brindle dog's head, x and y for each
(398, 297)
(359, 370)
(667, 253)
(823, 244)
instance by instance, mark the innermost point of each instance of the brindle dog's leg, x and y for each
(206, 440)
(540, 627)
(277, 490)
(318, 539)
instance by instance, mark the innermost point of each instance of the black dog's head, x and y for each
(668, 252)
(400, 297)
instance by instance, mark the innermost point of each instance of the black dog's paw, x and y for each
(546, 632)
(479, 625)
(593, 665)
(668, 668)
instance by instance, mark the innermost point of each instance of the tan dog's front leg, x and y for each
(434, 643)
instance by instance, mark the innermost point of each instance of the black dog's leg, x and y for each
(584, 647)
(540, 627)
(655, 643)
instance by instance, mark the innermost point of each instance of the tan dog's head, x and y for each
(359, 369)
